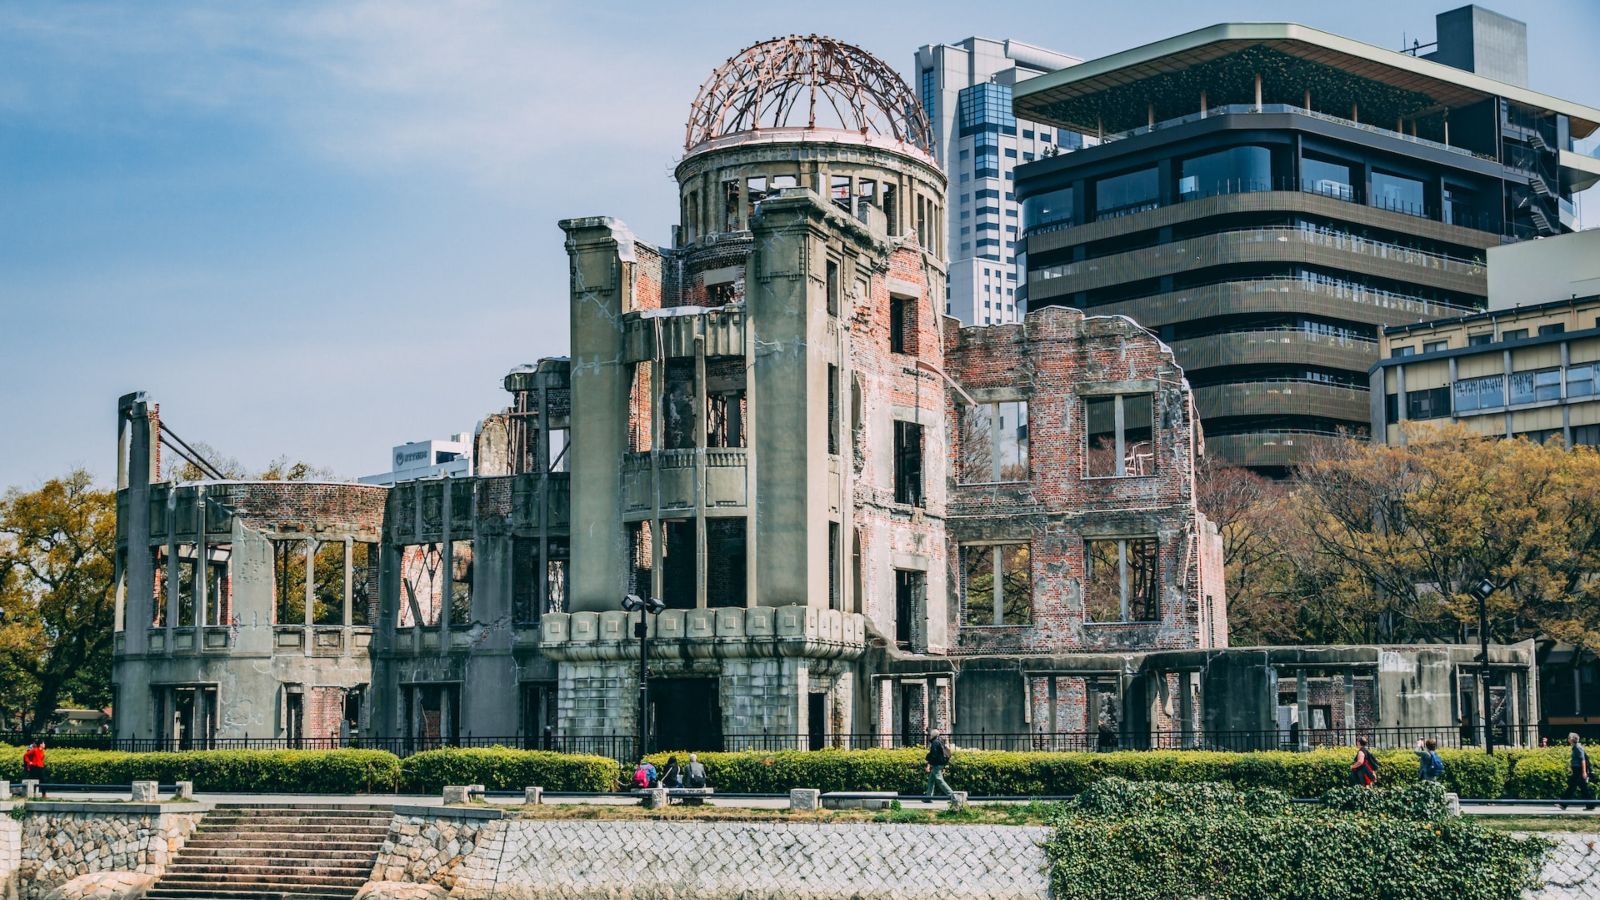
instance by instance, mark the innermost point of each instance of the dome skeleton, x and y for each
(765, 85)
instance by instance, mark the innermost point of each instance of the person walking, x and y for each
(938, 758)
(1364, 769)
(1430, 765)
(1580, 776)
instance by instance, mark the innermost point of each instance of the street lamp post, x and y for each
(653, 605)
(1481, 592)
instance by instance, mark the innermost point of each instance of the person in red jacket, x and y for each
(33, 763)
(1364, 770)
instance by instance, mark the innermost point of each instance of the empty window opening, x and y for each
(891, 209)
(559, 439)
(641, 559)
(678, 564)
(839, 191)
(677, 406)
(902, 325)
(907, 604)
(363, 583)
(856, 592)
(1120, 430)
(730, 205)
(833, 288)
(991, 600)
(327, 591)
(780, 182)
(835, 599)
(641, 427)
(461, 501)
(908, 463)
(289, 580)
(755, 191)
(725, 402)
(525, 606)
(557, 553)
(421, 584)
(725, 561)
(1122, 580)
(460, 582)
(994, 442)
(833, 409)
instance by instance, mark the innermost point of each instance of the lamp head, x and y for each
(632, 603)
(1482, 589)
(654, 605)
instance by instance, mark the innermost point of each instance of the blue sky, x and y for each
(322, 229)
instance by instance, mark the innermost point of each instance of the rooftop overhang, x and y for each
(1063, 97)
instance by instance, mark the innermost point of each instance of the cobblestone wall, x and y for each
(1572, 871)
(58, 846)
(431, 849)
(638, 860)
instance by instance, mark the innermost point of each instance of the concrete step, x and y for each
(256, 866)
(295, 828)
(213, 893)
(250, 853)
(268, 882)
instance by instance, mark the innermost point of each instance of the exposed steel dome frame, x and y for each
(786, 82)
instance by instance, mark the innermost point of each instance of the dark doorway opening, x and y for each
(686, 714)
(293, 719)
(538, 715)
(817, 720)
(907, 590)
(910, 701)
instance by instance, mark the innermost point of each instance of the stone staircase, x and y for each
(243, 852)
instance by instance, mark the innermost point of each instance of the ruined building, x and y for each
(864, 520)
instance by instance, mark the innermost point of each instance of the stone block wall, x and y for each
(431, 849)
(60, 845)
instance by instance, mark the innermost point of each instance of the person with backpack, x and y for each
(1431, 766)
(696, 773)
(644, 777)
(1580, 776)
(1364, 769)
(938, 757)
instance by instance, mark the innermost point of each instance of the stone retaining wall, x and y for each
(1572, 870)
(428, 847)
(60, 842)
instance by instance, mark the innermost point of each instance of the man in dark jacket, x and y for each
(1580, 777)
(938, 758)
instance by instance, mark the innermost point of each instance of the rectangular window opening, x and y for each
(987, 600)
(289, 581)
(908, 463)
(327, 571)
(1120, 430)
(1122, 580)
(726, 580)
(994, 442)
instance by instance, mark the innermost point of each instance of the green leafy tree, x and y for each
(56, 602)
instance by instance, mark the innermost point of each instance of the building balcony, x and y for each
(1304, 296)
(666, 479)
(1269, 448)
(1293, 346)
(1304, 245)
(1247, 109)
(1283, 396)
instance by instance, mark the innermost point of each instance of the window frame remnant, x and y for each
(1136, 578)
(1121, 455)
(986, 460)
(902, 324)
(908, 463)
(987, 601)
(289, 581)
(726, 542)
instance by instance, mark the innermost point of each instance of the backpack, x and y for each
(938, 755)
(1438, 764)
(641, 777)
(1372, 763)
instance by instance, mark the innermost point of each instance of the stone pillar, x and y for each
(143, 791)
(455, 794)
(1302, 702)
(939, 706)
(1350, 724)
(805, 799)
(656, 798)
(30, 788)
(533, 796)
(185, 791)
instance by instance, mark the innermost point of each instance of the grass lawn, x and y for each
(1582, 823)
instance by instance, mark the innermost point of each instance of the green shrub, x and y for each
(1425, 801)
(1117, 796)
(500, 768)
(993, 772)
(1315, 855)
(1537, 774)
(291, 771)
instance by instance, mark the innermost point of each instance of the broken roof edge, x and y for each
(324, 482)
(1585, 119)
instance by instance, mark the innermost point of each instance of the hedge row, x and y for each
(1469, 773)
(1152, 842)
(499, 768)
(290, 771)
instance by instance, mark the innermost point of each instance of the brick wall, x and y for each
(1047, 360)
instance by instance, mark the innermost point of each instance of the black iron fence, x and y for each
(622, 747)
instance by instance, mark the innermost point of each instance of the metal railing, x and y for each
(1232, 109)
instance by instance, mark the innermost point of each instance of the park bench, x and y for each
(858, 799)
(685, 796)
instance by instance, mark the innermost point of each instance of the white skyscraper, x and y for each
(966, 88)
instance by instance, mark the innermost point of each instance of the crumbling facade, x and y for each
(864, 521)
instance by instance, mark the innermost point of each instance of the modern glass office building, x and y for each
(1267, 197)
(965, 87)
